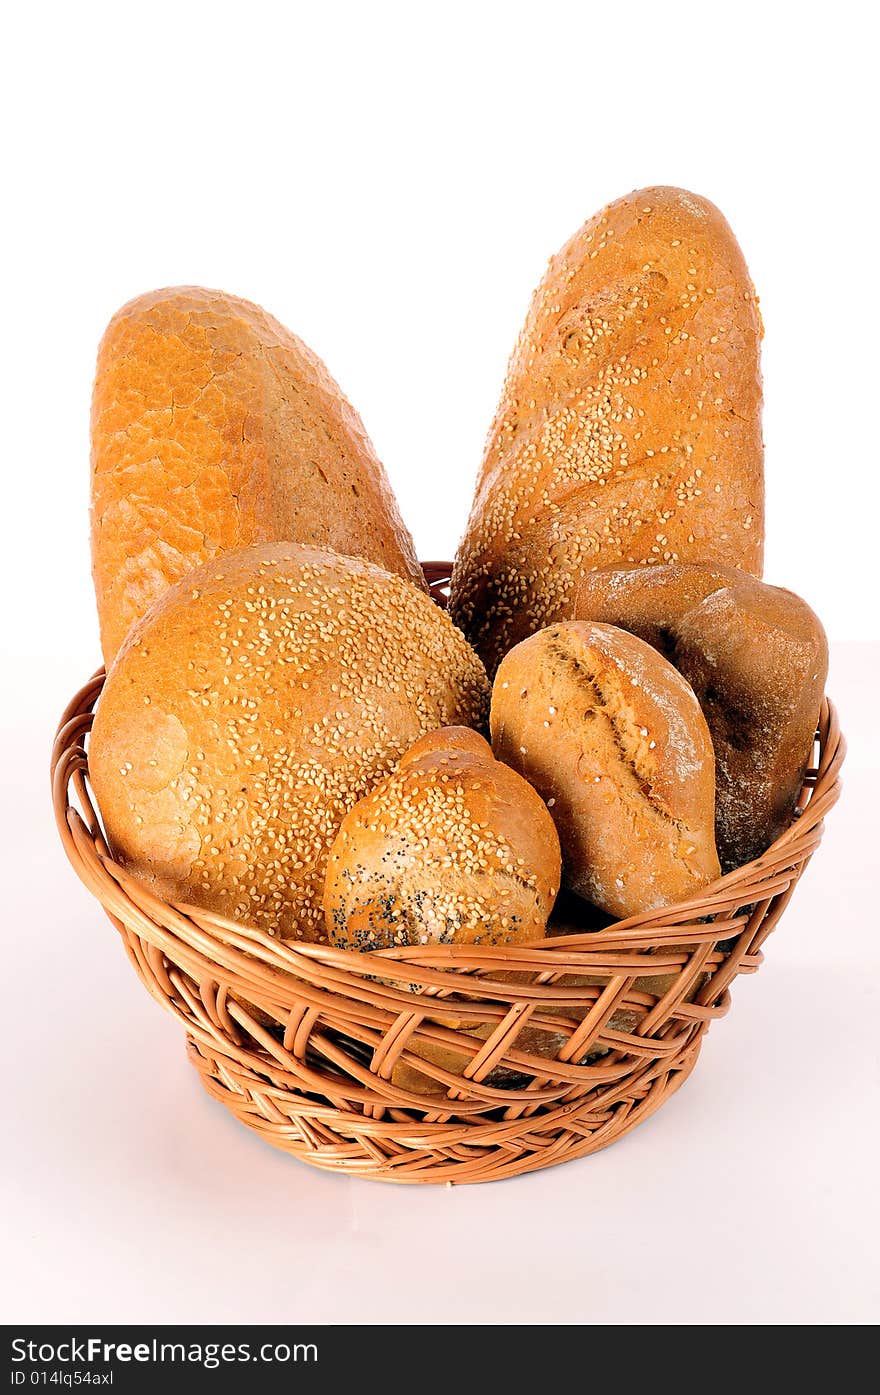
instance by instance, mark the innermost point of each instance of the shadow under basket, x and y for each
(444, 1063)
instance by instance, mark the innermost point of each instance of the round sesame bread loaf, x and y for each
(451, 847)
(757, 658)
(629, 429)
(214, 427)
(257, 701)
(613, 739)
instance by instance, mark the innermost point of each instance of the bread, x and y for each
(757, 658)
(257, 701)
(612, 738)
(446, 739)
(648, 601)
(629, 429)
(452, 847)
(214, 427)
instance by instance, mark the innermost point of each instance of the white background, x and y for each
(390, 181)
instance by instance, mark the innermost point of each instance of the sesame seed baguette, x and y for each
(613, 739)
(249, 710)
(214, 427)
(629, 428)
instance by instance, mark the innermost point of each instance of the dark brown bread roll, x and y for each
(629, 429)
(612, 738)
(757, 658)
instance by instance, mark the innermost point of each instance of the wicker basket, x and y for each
(312, 1071)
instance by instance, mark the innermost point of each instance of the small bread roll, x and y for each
(452, 847)
(647, 601)
(446, 739)
(613, 739)
(756, 657)
(214, 428)
(257, 701)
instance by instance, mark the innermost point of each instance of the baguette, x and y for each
(629, 429)
(214, 427)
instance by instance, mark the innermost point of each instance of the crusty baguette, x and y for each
(214, 427)
(629, 429)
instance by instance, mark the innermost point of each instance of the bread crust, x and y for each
(756, 657)
(629, 428)
(452, 847)
(258, 700)
(214, 427)
(613, 739)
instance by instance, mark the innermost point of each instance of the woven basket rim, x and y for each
(820, 792)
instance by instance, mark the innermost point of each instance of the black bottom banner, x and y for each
(257, 1359)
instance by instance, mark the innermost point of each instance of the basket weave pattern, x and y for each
(311, 1071)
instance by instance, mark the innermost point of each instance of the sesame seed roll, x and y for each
(451, 847)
